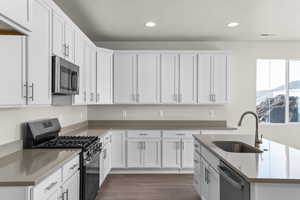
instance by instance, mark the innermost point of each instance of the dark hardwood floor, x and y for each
(148, 187)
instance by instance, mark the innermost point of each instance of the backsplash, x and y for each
(12, 118)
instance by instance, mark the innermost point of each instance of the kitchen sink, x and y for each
(236, 147)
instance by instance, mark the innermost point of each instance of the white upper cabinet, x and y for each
(16, 13)
(80, 99)
(90, 63)
(148, 78)
(187, 78)
(104, 76)
(58, 35)
(220, 78)
(12, 79)
(63, 37)
(39, 55)
(70, 42)
(124, 78)
(169, 78)
(213, 78)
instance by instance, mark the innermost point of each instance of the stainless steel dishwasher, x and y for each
(232, 185)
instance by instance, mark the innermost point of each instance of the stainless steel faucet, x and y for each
(257, 140)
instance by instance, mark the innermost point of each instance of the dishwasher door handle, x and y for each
(228, 178)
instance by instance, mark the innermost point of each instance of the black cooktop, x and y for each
(69, 142)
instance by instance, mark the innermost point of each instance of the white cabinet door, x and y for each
(152, 154)
(171, 153)
(124, 78)
(187, 157)
(58, 35)
(12, 78)
(187, 78)
(17, 11)
(90, 63)
(134, 153)
(214, 184)
(204, 78)
(169, 78)
(220, 78)
(104, 76)
(70, 42)
(148, 78)
(80, 99)
(39, 55)
(71, 188)
(118, 149)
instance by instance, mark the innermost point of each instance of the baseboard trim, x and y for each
(152, 171)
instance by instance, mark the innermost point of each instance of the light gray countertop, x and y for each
(279, 164)
(30, 166)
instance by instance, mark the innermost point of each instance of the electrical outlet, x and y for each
(211, 114)
(161, 114)
(124, 114)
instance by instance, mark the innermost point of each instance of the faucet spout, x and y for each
(257, 140)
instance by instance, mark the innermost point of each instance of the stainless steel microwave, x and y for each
(65, 77)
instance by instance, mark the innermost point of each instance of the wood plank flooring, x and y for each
(148, 187)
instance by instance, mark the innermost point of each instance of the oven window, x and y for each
(64, 78)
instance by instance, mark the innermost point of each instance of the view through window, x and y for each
(278, 90)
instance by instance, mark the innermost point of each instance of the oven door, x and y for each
(91, 171)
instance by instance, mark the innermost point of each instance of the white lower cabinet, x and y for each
(178, 149)
(171, 153)
(118, 154)
(187, 150)
(70, 188)
(206, 178)
(143, 153)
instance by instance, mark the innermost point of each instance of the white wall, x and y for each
(12, 118)
(243, 78)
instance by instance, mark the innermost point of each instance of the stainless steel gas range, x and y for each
(45, 134)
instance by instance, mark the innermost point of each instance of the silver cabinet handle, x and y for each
(180, 98)
(51, 186)
(140, 145)
(32, 92)
(67, 192)
(180, 134)
(26, 90)
(68, 48)
(182, 145)
(144, 145)
(143, 134)
(65, 49)
(98, 97)
(138, 98)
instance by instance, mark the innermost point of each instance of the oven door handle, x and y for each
(228, 178)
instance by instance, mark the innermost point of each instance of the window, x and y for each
(278, 90)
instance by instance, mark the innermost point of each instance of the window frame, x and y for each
(287, 92)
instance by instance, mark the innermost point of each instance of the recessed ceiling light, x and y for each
(233, 24)
(150, 24)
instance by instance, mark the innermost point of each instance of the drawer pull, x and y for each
(180, 134)
(51, 186)
(143, 134)
(73, 167)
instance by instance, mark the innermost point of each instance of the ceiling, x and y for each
(185, 20)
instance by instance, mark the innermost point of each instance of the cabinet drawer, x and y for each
(70, 168)
(144, 134)
(210, 158)
(180, 133)
(48, 186)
